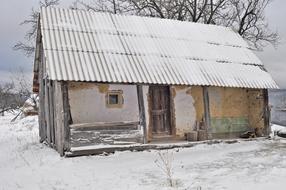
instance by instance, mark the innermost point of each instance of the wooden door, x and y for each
(160, 110)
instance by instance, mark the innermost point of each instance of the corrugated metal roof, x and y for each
(102, 47)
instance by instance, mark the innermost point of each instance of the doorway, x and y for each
(160, 111)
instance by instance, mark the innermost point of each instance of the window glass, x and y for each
(113, 99)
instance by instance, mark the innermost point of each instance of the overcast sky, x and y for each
(12, 12)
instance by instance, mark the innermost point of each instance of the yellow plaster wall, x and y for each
(256, 108)
(228, 102)
(235, 105)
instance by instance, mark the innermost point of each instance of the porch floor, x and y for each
(109, 149)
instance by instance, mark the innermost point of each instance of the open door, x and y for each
(160, 110)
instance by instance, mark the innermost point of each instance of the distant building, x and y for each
(111, 79)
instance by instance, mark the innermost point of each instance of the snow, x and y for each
(27, 164)
(275, 127)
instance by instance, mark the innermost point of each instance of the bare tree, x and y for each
(248, 19)
(23, 89)
(28, 45)
(165, 163)
(111, 6)
(6, 97)
(14, 94)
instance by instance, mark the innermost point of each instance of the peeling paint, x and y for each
(235, 110)
(81, 85)
(184, 110)
(256, 109)
(197, 93)
(103, 88)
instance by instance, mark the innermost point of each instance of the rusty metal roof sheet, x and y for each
(102, 47)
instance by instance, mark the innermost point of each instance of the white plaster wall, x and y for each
(185, 112)
(89, 104)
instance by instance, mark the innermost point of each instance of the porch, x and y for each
(110, 149)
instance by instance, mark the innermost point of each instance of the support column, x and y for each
(142, 118)
(67, 119)
(266, 113)
(207, 117)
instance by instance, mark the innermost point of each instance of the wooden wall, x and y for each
(54, 115)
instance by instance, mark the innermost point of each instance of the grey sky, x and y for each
(12, 12)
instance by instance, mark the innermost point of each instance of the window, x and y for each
(114, 99)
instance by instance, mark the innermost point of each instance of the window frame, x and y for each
(119, 93)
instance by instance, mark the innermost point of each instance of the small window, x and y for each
(114, 99)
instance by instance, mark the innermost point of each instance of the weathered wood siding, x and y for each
(61, 112)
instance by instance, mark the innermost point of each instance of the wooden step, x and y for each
(127, 125)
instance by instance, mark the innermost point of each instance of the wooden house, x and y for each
(112, 79)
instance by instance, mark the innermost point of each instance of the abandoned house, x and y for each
(106, 79)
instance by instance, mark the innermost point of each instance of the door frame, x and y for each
(171, 112)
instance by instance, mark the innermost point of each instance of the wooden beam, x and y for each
(128, 125)
(51, 112)
(66, 119)
(142, 118)
(59, 118)
(42, 122)
(47, 112)
(207, 116)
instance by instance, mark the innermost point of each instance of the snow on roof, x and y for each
(103, 47)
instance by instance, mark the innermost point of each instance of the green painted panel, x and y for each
(229, 124)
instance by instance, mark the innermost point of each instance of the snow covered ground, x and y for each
(26, 164)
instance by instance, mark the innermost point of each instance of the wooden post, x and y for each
(42, 94)
(266, 113)
(47, 112)
(207, 117)
(42, 124)
(142, 112)
(51, 112)
(66, 110)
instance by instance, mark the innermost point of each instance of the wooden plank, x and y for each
(42, 124)
(51, 112)
(67, 119)
(142, 116)
(85, 151)
(59, 137)
(106, 125)
(207, 116)
(47, 112)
